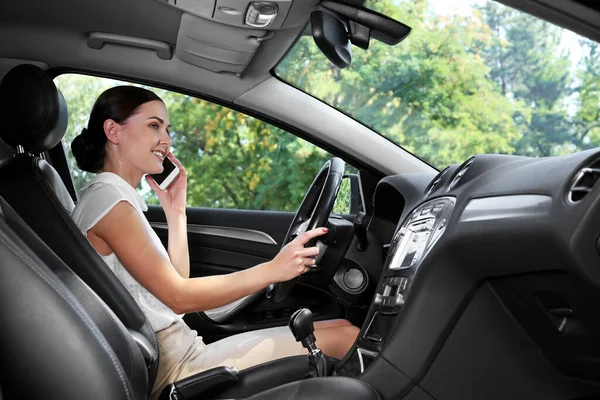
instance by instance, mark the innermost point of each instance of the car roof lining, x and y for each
(56, 34)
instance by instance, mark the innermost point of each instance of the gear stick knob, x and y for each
(301, 325)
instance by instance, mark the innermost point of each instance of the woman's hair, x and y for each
(117, 103)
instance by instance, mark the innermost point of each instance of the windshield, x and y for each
(473, 77)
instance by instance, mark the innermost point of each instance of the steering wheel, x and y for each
(313, 213)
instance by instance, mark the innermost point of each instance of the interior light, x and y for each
(261, 13)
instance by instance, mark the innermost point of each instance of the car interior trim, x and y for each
(225, 231)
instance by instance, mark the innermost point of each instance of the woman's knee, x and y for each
(336, 342)
(332, 323)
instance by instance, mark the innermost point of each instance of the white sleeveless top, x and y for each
(101, 194)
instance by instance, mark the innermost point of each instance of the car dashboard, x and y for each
(492, 272)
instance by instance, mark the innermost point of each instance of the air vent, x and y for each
(584, 182)
(460, 173)
(436, 182)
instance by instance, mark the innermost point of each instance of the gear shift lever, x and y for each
(301, 325)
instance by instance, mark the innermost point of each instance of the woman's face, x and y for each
(144, 139)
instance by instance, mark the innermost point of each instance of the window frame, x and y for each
(58, 157)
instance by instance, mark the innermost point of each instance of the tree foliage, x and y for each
(492, 81)
(232, 160)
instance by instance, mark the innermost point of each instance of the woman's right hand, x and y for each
(294, 259)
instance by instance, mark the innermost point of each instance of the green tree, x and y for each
(233, 161)
(528, 65)
(586, 119)
(236, 161)
(430, 94)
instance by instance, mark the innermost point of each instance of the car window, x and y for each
(233, 160)
(473, 77)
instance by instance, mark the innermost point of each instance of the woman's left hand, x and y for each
(173, 198)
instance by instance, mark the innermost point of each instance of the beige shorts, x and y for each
(183, 353)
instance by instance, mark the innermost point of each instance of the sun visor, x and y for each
(224, 35)
(214, 46)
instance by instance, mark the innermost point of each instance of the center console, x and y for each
(410, 245)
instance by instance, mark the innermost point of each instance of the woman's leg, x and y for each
(331, 323)
(244, 350)
(335, 338)
(184, 354)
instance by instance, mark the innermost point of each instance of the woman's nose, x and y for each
(165, 138)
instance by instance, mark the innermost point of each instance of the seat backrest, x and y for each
(35, 117)
(125, 345)
(51, 348)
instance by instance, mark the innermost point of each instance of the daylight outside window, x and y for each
(473, 77)
(233, 160)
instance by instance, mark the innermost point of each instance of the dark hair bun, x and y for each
(89, 155)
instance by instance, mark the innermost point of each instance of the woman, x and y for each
(126, 139)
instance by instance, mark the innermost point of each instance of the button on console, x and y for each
(437, 208)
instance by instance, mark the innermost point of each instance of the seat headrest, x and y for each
(33, 110)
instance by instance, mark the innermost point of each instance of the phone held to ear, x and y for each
(165, 178)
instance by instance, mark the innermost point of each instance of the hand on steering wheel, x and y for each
(304, 230)
(294, 259)
(312, 213)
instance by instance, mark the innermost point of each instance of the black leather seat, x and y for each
(35, 120)
(60, 341)
(127, 359)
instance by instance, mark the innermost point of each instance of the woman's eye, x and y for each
(154, 126)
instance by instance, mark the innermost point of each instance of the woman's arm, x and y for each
(123, 231)
(178, 244)
(173, 201)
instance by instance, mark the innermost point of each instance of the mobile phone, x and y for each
(165, 178)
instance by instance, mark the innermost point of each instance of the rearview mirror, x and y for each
(337, 25)
(331, 36)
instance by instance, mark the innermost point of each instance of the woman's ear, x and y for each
(111, 130)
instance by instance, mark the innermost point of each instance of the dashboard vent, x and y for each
(584, 181)
(436, 182)
(460, 173)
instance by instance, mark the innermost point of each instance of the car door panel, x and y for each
(223, 241)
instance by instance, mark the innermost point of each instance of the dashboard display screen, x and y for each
(412, 243)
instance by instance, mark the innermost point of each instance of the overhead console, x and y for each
(243, 13)
(224, 35)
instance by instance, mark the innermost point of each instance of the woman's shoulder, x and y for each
(98, 193)
(96, 201)
(107, 186)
